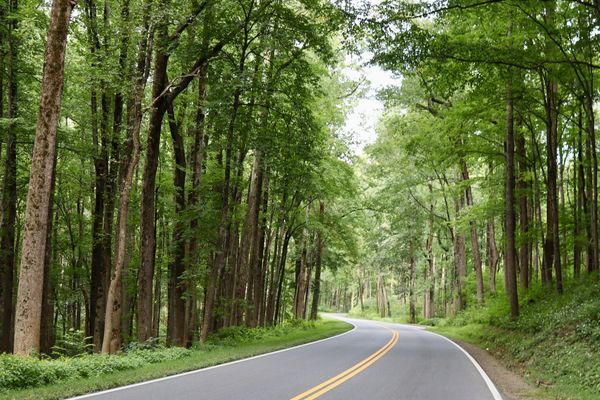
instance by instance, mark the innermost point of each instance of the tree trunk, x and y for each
(411, 288)
(581, 211)
(147, 227)
(298, 309)
(8, 212)
(510, 258)
(430, 291)
(551, 104)
(112, 327)
(552, 246)
(176, 306)
(318, 265)
(492, 253)
(281, 275)
(99, 271)
(593, 194)
(460, 260)
(178, 330)
(222, 251)
(29, 296)
(249, 246)
(47, 321)
(263, 245)
(474, 240)
(524, 250)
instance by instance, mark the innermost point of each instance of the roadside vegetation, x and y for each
(34, 378)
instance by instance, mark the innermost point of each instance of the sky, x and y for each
(362, 118)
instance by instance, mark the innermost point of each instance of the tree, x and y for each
(39, 196)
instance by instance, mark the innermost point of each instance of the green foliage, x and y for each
(235, 335)
(25, 372)
(73, 343)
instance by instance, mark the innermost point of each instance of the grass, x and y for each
(233, 344)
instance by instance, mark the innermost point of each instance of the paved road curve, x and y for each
(374, 361)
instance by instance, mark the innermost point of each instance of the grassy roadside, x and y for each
(222, 349)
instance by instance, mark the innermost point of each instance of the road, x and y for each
(374, 361)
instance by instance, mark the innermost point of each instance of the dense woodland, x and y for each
(188, 170)
(484, 176)
(185, 171)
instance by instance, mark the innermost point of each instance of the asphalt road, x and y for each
(374, 361)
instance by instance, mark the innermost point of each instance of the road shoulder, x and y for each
(511, 385)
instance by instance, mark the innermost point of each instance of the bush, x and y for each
(26, 372)
(73, 343)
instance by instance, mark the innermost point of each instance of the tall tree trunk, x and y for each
(47, 321)
(551, 104)
(111, 340)
(460, 260)
(430, 291)
(176, 307)
(412, 287)
(273, 280)
(8, 212)
(593, 194)
(510, 258)
(147, 227)
(249, 246)
(523, 211)
(281, 275)
(29, 295)
(552, 247)
(99, 273)
(492, 253)
(474, 240)
(581, 211)
(318, 266)
(298, 309)
(220, 258)
(263, 245)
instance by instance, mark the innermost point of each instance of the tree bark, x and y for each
(593, 194)
(29, 295)
(8, 212)
(318, 265)
(249, 246)
(492, 253)
(524, 250)
(111, 340)
(474, 240)
(411, 287)
(460, 260)
(176, 306)
(510, 259)
(431, 273)
(147, 227)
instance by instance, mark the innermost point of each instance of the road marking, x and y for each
(166, 378)
(342, 377)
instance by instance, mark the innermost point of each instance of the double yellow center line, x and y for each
(342, 377)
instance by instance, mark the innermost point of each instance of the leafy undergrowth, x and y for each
(555, 343)
(32, 378)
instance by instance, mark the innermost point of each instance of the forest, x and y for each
(174, 169)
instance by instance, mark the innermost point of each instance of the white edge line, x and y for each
(486, 378)
(85, 396)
